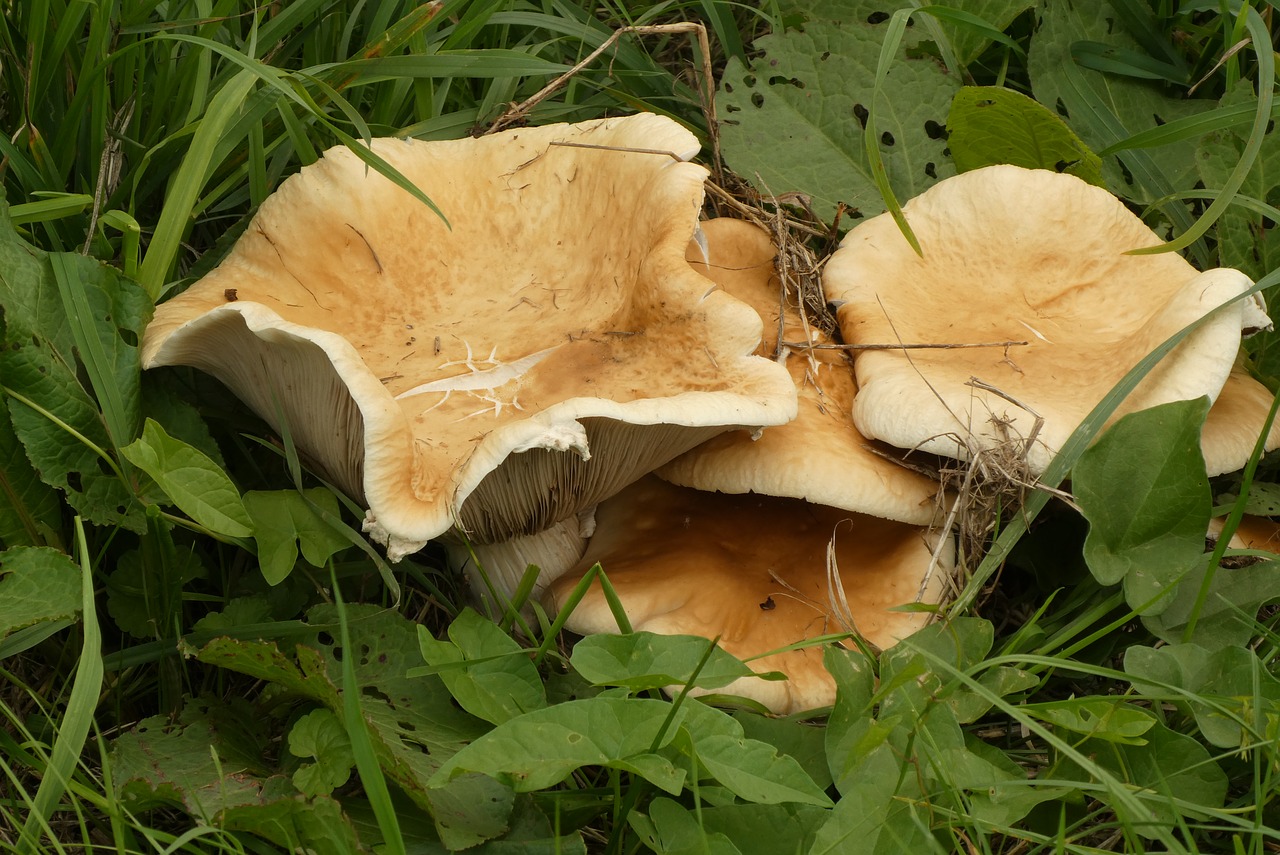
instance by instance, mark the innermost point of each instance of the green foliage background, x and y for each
(200, 653)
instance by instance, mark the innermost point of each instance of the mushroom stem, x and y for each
(495, 570)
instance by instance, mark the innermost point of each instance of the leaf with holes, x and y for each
(210, 766)
(1105, 108)
(966, 25)
(792, 123)
(412, 721)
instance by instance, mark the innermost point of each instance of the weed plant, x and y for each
(159, 695)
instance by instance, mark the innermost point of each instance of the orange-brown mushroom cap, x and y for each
(752, 570)
(547, 346)
(820, 456)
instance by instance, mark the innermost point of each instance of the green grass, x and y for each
(153, 686)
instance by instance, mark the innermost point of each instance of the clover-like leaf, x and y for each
(320, 735)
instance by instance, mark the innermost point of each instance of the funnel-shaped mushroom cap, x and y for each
(1234, 422)
(820, 456)
(1012, 254)
(753, 571)
(545, 348)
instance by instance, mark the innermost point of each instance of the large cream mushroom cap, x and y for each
(1013, 254)
(502, 372)
(820, 456)
(752, 570)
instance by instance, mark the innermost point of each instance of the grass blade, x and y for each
(187, 183)
(78, 718)
(1262, 115)
(371, 777)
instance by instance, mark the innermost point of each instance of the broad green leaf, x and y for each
(792, 122)
(542, 748)
(906, 675)
(414, 724)
(1105, 109)
(1168, 775)
(283, 520)
(1144, 491)
(673, 830)
(164, 399)
(1229, 614)
(196, 765)
(486, 671)
(998, 790)
(1243, 700)
(1233, 696)
(1108, 719)
(756, 772)
(37, 584)
(969, 705)
(210, 767)
(30, 513)
(870, 818)
(968, 25)
(320, 735)
(766, 829)
(1263, 499)
(239, 612)
(194, 482)
(61, 427)
(991, 124)
(803, 740)
(644, 660)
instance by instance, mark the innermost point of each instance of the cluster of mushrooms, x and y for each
(571, 368)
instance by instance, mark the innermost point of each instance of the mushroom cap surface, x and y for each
(501, 372)
(753, 570)
(820, 456)
(1013, 254)
(1234, 422)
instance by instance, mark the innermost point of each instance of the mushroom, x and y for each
(758, 573)
(1032, 257)
(820, 456)
(1234, 422)
(500, 371)
(1252, 532)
